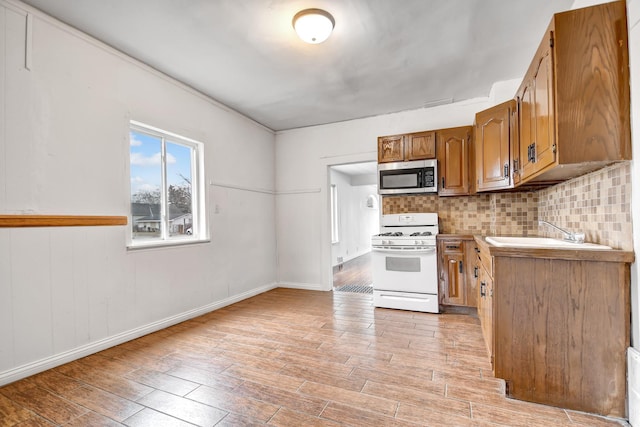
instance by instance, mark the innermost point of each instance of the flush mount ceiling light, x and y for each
(313, 25)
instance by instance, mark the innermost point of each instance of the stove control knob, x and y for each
(384, 242)
(416, 242)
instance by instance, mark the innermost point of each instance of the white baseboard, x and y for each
(306, 286)
(32, 368)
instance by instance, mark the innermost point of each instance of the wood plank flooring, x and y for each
(356, 271)
(287, 358)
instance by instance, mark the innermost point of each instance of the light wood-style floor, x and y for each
(356, 271)
(286, 358)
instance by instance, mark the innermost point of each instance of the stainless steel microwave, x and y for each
(419, 176)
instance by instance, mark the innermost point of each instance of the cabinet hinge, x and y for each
(553, 148)
(551, 39)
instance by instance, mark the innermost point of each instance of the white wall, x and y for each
(356, 223)
(65, 292)
(302, 160)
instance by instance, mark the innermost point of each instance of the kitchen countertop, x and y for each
(612, 255)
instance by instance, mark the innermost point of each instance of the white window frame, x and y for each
(199, 227)
(335, 219)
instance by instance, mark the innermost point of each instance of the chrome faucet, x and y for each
(568, 235)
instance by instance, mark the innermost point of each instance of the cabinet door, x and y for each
(453, 161)
(453, 283)
(493, 143)
(489, 334)
(545, 151)
(390, 148)
(420, 145)
(527, 130)
(471, 273)
(537, 115)
(485, 309)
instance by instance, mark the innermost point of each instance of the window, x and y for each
(166, 187)
(334, 214)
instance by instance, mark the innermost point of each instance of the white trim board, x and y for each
(33, 368)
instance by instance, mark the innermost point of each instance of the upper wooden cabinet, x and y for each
(413, 146)
(495, 141)
(420, 145)
(390, 148)
(574, 99)
(453, 160)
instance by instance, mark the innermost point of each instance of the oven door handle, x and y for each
(405, 250)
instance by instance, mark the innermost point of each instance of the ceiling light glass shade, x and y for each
(313, 25)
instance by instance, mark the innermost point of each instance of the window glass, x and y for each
(165, 187)
(179, 182)
(146, 184)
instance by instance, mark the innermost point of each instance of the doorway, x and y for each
(355, 217)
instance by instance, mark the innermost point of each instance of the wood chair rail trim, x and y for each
(14, 221)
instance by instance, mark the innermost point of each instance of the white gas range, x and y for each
(405, 262)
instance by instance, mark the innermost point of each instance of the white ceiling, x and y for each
(354, 169)
(384, 55)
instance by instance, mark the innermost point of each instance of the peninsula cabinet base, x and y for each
(562, 331)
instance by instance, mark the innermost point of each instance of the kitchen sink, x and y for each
(540, 242)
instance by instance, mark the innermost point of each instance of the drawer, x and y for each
(452, 246)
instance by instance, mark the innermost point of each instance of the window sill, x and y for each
(165, 244)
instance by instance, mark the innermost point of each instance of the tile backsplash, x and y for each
(485, 214)
(597, 204)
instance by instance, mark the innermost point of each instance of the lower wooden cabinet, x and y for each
(458, 284)
(556, 323)
(485, 309)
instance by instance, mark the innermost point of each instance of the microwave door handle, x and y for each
(421, 178)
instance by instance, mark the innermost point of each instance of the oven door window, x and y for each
(405, 265)
(405, 178)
